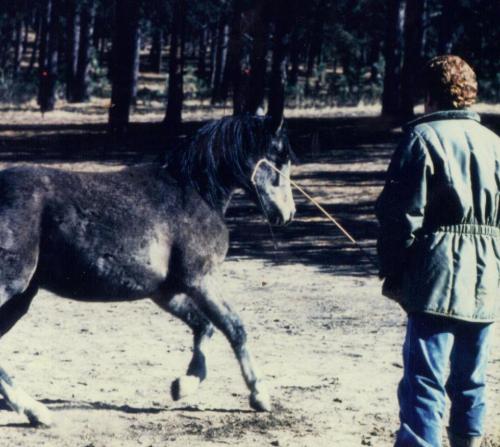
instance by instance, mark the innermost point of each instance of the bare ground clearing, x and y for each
(327, 341)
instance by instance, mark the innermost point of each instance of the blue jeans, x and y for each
(431, 342)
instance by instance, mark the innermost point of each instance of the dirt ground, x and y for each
(327, 341)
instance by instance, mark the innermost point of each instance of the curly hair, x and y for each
(450, 82)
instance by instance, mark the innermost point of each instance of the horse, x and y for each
(152, 230)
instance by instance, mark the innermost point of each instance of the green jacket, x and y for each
(439, 214)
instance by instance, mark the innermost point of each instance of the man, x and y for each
(439, 251)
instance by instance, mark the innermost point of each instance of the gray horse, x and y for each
(152, 230)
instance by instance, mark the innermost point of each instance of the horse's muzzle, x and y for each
(280, 220)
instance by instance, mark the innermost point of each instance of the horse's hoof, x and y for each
(260, 400)
(184, 386)
(39, 416)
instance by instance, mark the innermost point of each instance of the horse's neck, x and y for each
(217, 198)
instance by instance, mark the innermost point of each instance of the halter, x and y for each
(313, 201)
(252, 179)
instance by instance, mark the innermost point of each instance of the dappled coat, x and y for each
(439, 242)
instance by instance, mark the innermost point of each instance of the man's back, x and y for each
(464, 187)
(440, 217)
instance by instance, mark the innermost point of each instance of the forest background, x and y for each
(239, 55)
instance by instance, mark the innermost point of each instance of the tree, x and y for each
(413, 54)
(391, 97)
(72, 46)
(201, 69)
(38, 34)
(447, 27)
(232, 70)
(258, 62)
(123, 60)
(47, 63)
(316, 38)
(281, 42)
(294, 57)
(157, 19)
(221, 47)
(18, 45)
(173, 116)
(156, 48)
(81, 80)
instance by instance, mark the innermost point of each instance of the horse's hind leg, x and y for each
(15, 397)
(208, 299)
(183, 308)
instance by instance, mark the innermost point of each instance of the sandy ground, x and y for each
(326, 340)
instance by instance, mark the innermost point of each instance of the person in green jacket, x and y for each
(439, 253)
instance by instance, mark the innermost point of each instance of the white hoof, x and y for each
(184, 386)
(38, 415)
(259, 399)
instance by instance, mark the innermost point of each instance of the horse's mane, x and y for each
(220, 154)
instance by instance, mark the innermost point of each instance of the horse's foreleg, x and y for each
(224, 318)
(183, 308)
(15, 397)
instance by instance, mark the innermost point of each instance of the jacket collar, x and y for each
(445, 115)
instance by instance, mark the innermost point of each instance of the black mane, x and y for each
(221, 154)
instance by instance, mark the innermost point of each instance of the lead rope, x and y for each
(367, 255)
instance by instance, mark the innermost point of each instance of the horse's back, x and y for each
(107, 235)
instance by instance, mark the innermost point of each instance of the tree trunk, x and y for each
(294, 58)
(48, 56)
(156, 47)
(99, 36)
(413, 41)
(137, 66)
(258, 61)
(27, 21)
(283, 25)
(36, 43)
(123, 57)
(446, 27)
(18, 47)
(220, 60)
(213, 54)
(232, 71)
(391, 97)
(81, 85)
(173, 116)
(316, 43)
(201, 70)
(373, 60)
(6, 32)
(73, 43)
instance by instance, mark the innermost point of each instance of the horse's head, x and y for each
(270, 177)
(251, 152)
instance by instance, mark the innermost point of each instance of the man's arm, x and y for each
(400, 207)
